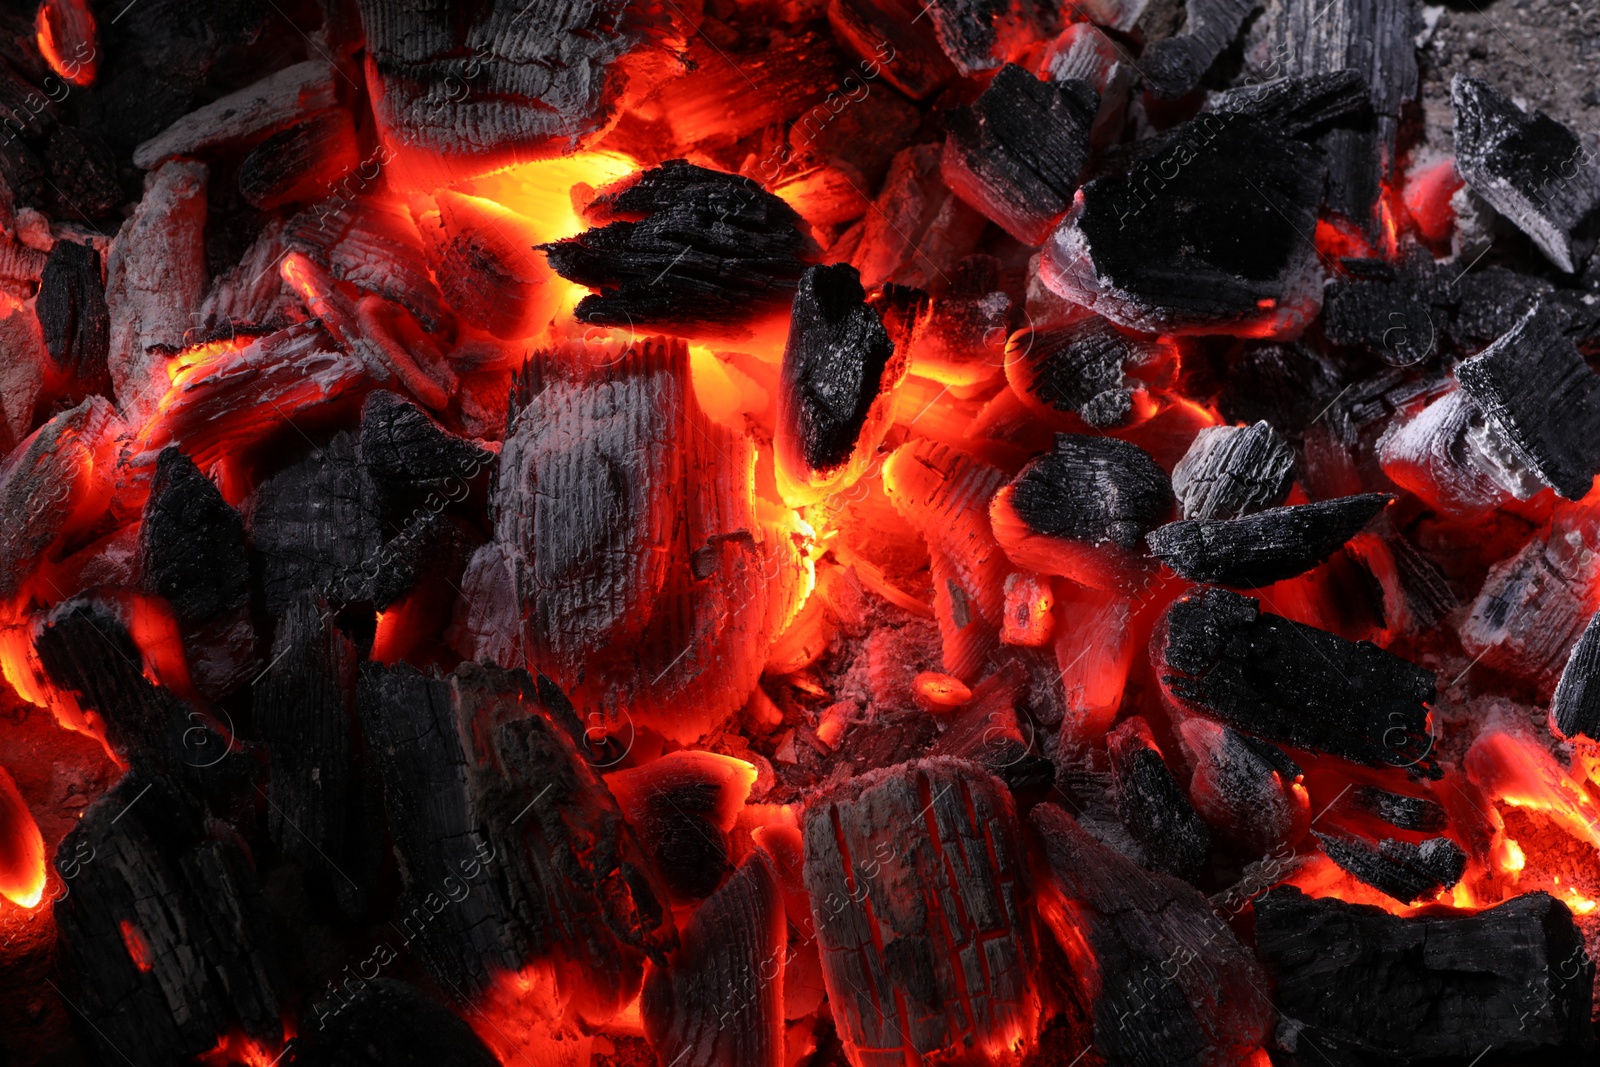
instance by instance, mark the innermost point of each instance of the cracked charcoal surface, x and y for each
(1093, 489)
(1269, 546)
(1233, 470)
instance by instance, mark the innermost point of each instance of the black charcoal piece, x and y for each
(385, 1023)
(1222, 657)
(1152, 806)
(680, 245)
(191, 542)
(1015, 153)
(315, 526)
(1209, 231)
(1530, 168)
(1494, 299)
(1401, 311)
(84, 179)
(1170, 982)
(72, 314)
(406, 451)
(877, 29)
(1241, 786)
(1575, 711)
(490, 802)
(429, 546)
(299, 163)
(1380, 988)
(1399, 869)
(1396, 809)
(1175, 65)
(1536, 389)
(164, 911)
(1080, 368)
(372, 243)
(1299, 107)
(834, 367)
(1092, 489)
(1231, 471)
(1268, 546)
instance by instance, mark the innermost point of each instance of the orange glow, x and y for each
(1510, 858)
(1523, 774)
(236, 1050)
(22, 868)
(1029, 605)
(66, 37)
(187, 365)
(138, 947)
(939, 692)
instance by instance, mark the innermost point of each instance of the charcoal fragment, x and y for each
(1537, 391)
(191, 542)
(1221, 656)
(1268, 546)
(73, 317)
(1015, 153)
(682, 807)
(1299, 107)
(1151, 805)
(1080, 368)
(1397, 809)
(1398, 869)
(1231, 471)
(386, 1023)
(1175, 65)
(1575, 710)
(1244, 788)
(301, 162)
(1530, 168)
(1401, 311)
(406, 452)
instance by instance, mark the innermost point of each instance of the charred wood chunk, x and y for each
(918, 891)
(301, 162)
(324, 802)
(1221, 656)
(84, 178)
(1175, 65)
(165, 939)
(1080, 368)
(1161, 978)
(373, 243)
(406, 452)
(1247, 790)
(888, 34)
(1083, 509)
(1400, 311)
(389, 1024)
(683, 246)
(839, 369)
(191, 543)
(479, 251)
(240, 117)
(1150, 804)
(1269, 546)
(1449, 456)
(1159, 249)
(315, 526)
(1530, 168)
(73, 316)
(1300, 107)
(1398, 869)
(1368, 983)
(917, 229)
(1494, 300)
(511, 847)
(682, 807)
(1575, 711)
(431, 546)
(718, 1002)
(1536, 389)
(1231, 471)
(1397, 809)
(1015, 153)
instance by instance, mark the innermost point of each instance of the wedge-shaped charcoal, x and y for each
(165, 940)
(1159, 249)
(1380, 987)
(1247, 790)
(1449, 456)
(1494, 300)
(1401, 311)
(1015, 153)
(387, 1023)
(1299, 107)
(325, 812)
(481, 252)
(1398, 869)
(1268, 546)
(72, 313)
(1082, 510)
(889, 35)
(1159, 977)
(407, 453)
(244, 116)
(681, 808)
(1539, 393)
(942, 492)
(917, 885)
(513, 850)
(958, 336)
(191, 543)
(1080, 368)
(315, 526)
(302, 162)
(836, 389)
(1397, 809)
(155, 280)
(917, 229)
(1150, 804)
(1221, 656)
(649, 586)
(508, 83)
(719, 1002)
(1575, 711)
(1231, 471)
(1175, 65)
(1530, 168)
(682, 246)
(373, 243)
